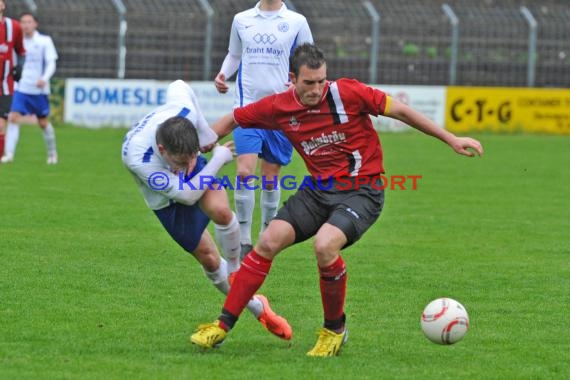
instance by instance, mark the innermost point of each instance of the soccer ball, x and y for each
(444, 321)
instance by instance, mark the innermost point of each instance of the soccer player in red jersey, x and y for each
(329, 125)
(11, 45)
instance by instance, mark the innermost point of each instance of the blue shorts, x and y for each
(184, 223)
(270, 145)
(30, 104)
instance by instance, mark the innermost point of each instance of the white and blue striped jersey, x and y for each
(140, 152)
(264, 41)
(40, 64)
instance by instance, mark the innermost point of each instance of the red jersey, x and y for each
(336, 137)
(11, 43)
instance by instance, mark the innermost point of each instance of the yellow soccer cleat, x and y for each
(209, 335)
(329, 343)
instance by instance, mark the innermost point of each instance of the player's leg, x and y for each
(12, 136)
(216, 270)
(296, 221)
(206, 253)
(244, 198)
(276, 152)
(248, 145)
(18, 108)
(248, 280)
(187, 226)
(41, 109)
(215, 204)
(354, 211)
(270, 192)
(5, 103)
(332, 272)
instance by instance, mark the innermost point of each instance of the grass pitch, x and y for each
(91, 287)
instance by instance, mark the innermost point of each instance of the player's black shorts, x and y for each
(5, 104)
(344, 204)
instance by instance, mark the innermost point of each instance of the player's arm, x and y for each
(462, 145)
(174, 186)
(20, 52)
(255, 115)
(47, 74)
(231, 61)
(229, 68)
(225, 125)
(50, 56)
(206, 135)
(190, 193)
(179, 92)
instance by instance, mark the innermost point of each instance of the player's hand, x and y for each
(207, 148)
(231, 146)
(467, 146)
(40, 83)
(224, 151)
(17, 73)
(220, 83)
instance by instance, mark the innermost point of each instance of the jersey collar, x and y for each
(33, 37)
(279, 12)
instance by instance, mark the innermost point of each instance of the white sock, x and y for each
(269, 206)
(219, 279)
(245, 203)
(255, 306)
(228, 239)
(12, 137)
(49, 138)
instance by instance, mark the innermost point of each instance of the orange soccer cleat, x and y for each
(275, 324)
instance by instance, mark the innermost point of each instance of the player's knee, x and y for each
(321, 246)
(243, 173)
(43, 123)
(270, 184)
(210, 264)
(209, 259)
(270, 170)
(221, 215)
(325, 249)
(267, 247)
(13, 117)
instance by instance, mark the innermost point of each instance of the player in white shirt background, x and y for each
(31, 94)
(162, 148)
(261, 41)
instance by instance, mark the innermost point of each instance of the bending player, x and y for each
(156, 150)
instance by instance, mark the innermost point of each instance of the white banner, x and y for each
(429, 100)
(96, 103)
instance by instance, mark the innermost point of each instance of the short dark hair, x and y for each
(179, 137)
(306, 54)
(28, 14)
